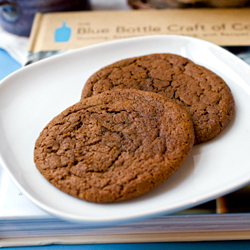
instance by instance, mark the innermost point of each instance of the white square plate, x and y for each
(32, 96)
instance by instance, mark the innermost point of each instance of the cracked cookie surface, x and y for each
(204, 95)
(114, 146)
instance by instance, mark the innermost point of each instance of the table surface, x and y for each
(9, 65)
(228, 245)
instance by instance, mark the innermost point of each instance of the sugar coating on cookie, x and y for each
(204, 95)
(114, 146)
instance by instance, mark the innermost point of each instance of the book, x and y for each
(226, 218)
(57, 32)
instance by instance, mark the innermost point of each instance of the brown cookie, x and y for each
(114, 146)
(205, 96)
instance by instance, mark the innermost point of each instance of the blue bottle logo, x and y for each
(62, 34)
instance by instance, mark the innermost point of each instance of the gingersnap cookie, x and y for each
(114, 146)
(204, 95)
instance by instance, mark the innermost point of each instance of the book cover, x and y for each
(65, 31)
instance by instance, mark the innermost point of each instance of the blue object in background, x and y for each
(221, 245)
(10, 11)
(7, 64)
(63, 33)
(16, 16)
